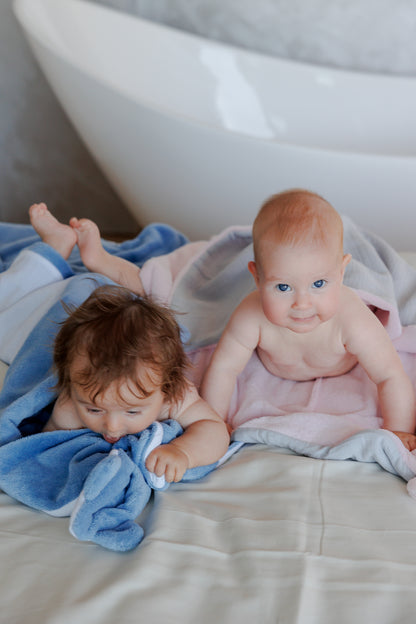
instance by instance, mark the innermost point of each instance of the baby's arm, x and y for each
(369, 341)
(237, 343)
(205, 440)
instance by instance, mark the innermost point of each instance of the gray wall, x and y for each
(41, 156)
(366, 35)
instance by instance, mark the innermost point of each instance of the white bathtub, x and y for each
(197, 134)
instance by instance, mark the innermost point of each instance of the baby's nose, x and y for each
(302, 300)
(113, 425)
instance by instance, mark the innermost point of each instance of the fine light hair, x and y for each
(121, 338)
(296, 217)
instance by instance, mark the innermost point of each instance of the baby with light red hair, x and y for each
(302, 321)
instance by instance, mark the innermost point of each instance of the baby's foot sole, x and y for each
(89, 243)
(58, 235)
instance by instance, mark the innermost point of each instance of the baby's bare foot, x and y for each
(89, 243)
(58, 235)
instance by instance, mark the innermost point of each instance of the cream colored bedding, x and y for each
(269, 537)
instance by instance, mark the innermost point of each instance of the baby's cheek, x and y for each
(276, 314)
(328, 307)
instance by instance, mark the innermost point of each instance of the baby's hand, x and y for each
(168, 460)
(408, 439)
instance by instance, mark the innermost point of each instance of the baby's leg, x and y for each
(98, 260)
(58, 235)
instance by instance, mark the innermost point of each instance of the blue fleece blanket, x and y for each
(102, 487)
(154, 240)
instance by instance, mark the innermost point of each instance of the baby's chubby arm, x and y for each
(235, 347)
(205, 440)
(366, 338)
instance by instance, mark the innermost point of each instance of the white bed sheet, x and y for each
(269, 537)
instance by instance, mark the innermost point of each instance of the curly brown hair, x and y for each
(115, 332)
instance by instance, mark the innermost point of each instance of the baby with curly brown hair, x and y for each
(121, 366)
(120, 360)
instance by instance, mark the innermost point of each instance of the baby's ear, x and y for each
(253, 270)
(346, 259)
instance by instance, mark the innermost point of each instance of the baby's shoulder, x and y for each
(351, 301)
(250, 305)
(354, 314)
(248, 315)
(175, 409)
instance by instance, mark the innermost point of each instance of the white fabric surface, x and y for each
(269, 537)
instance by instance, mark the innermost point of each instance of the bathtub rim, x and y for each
(20, 6)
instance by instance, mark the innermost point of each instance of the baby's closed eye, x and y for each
(93, 410)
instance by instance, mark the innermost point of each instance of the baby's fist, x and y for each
(169, 461)
(408, 439)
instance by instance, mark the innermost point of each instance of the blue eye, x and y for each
(283, 287)
(319, 283)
